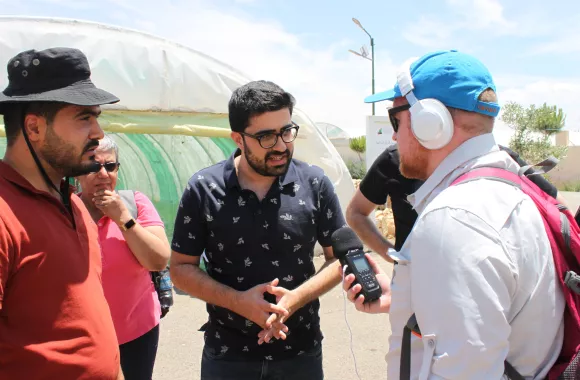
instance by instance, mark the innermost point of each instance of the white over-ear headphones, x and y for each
(431, 121)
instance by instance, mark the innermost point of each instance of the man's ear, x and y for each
(35, 127)
(238, 139)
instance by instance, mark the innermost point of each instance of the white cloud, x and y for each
(77, 5)
(560, 35)
(430, 32)
(563, 93)
(479, 14)
(435, 31)
(564, 43)
(329, 83)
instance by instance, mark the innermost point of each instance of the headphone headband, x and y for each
(405, 82)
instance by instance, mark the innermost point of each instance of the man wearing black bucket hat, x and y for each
(54, 319)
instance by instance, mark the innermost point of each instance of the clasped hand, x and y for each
(270, 317)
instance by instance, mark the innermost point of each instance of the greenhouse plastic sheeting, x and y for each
(161, 165)
(148, 164)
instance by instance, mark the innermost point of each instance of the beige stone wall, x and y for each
(385, 223)
(568, 169)
(383, 218)
(343, 148)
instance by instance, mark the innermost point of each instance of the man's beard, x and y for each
(415, 166)
(261, 166)
(64, 159)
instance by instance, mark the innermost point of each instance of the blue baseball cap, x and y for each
(455, 79)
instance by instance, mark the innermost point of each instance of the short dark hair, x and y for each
(256, 98)
(13, 118)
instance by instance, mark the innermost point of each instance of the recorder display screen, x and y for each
(361, 264)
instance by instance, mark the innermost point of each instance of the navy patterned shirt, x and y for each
(246, 242)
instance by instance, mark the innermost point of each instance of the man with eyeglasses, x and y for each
(256, 218)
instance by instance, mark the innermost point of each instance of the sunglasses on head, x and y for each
(109, 166)
(395, 110)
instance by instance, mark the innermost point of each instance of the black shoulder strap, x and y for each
(405, 367)
(128, 197)
(511, 372)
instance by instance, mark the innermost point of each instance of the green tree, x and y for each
(533, 128)
(359, 145)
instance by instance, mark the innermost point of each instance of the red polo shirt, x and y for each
(54, 320)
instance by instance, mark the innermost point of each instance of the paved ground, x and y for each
(572, 199)
(180, 348)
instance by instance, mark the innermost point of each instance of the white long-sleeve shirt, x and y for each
(478, 272)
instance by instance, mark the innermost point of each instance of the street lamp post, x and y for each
(357, 22)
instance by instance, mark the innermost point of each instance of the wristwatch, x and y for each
(127, 226)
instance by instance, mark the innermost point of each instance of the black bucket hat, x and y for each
(52, 75)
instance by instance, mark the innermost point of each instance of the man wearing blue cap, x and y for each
(476, 270)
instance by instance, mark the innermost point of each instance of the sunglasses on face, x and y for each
(110, 167)
(270, 139)
(395, 110)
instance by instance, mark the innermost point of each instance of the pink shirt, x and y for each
(128, 287)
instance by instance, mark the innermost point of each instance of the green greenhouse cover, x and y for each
(160, 164)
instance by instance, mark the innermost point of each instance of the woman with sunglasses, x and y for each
(131, 249)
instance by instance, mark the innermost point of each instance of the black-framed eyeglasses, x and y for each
(110, 167)
(395, 110)
(269, 139)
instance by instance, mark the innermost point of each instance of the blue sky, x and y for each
(531, 50)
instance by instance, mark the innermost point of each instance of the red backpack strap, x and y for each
(496, 174)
